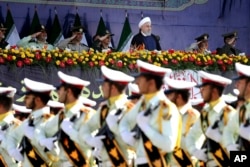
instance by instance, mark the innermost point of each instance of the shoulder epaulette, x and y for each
(129, 105)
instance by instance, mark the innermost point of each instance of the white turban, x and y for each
(143, 21)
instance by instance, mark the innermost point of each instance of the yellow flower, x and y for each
(14, 57)
(57, 62)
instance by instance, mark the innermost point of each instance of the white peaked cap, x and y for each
(10, 92)
(87, 102)
(148, 68)
(72, 80)
(207, 78)
(143, 21)
(229, 98)
(178, 84)
(133, 88)
(195, 102)
(116, 76)
(21, 109)
(242, 69)
(36, 86)
(55, 104)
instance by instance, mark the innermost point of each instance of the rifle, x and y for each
(104, 130)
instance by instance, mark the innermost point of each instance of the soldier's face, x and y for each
(29, 101)
(62, 94)
(106, 90)
(241, 85)
(172, 97)
(143, 85)
(206, 92)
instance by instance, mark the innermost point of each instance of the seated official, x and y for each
(102, 42)
(145, 39)
(36, 41)
(229, 47)
(73, 43)
(201, 45)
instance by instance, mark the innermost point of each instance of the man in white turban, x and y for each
(145, 39)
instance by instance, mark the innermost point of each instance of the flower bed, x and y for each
(176, 60)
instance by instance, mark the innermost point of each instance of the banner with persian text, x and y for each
(13, 76)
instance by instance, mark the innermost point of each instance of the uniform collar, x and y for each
(70, 105)
(6, 117)
(40, 112)
(185, 108)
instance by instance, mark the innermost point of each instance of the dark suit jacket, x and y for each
(138, 40)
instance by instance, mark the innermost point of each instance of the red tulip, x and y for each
(101, 63)
(119, 64)
(2, 61)
(62, 64)
(171, 51)
(19, 63)
(174, 61)
(48, 59)
(69, 62)
(27, 61)
(220, 62)
(91, 64)
(9, 58)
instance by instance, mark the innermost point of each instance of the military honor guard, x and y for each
(73, 43)
(108, 147)
(36, 41)
(236, 133)
(213, 118)
(179, 93)
(20, 142)
(60, 133)
(7, 123)
(151, 128)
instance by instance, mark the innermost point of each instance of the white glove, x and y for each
(96, 141)
(128, 137)
(29, 132)
(48, 142)
(16, 154)
(213, 134)
(111, 120)
(67, 125)
(142, 120)
(200, 154)
(244, 132)
(233, 147)
(97, 153)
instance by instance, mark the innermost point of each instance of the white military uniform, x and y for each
(51, 127)
(25, 129)
(162, 129)
(48, 130)
(113, 104)
(93, 124)
(11, 123)
(232, 131)
(213, 114)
